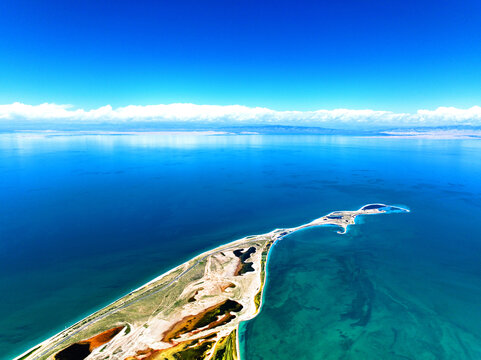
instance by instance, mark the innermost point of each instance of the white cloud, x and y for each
(452, 115)
(235, 115)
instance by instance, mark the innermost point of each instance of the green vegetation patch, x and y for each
(226, 349)
(194, 353)
(29, 353)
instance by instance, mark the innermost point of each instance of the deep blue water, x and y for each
(85, 219)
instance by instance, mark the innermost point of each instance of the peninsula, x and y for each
(190, 312)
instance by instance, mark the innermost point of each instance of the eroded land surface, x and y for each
(191, 312)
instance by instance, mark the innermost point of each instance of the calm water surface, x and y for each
(85, 219)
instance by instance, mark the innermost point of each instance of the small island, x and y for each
(190, 312)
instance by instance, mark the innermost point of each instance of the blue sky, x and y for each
(285, 55)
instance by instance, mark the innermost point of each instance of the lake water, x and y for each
(85, 219)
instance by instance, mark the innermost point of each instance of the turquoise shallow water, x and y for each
(85, 219)
(366, 295)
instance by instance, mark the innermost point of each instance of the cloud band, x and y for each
(236, 115)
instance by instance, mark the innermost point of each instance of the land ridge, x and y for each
(190, 312)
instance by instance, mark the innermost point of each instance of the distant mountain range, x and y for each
(447, 132)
